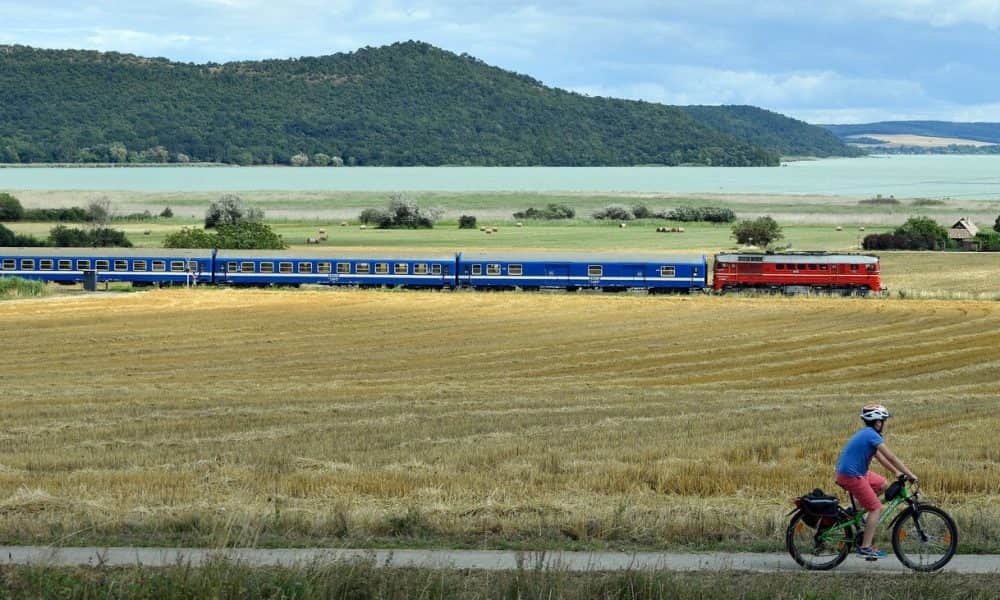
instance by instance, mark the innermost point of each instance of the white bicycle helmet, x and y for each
(874, 412)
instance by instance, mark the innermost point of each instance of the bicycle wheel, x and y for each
(924, 538)
(813, 550)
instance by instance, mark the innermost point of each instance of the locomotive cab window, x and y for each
(103, 265)
(305, 267)
(284, 267)
(121, 265)
(477, 269)
(824, 267)
(161, 265)
(402, 268)
(139, 265)
(493, 269)
(345, 268)
(870, 268)
(9, 264)
(45, 264)
(28, 264)
(65, 265)
(362, 268)
(515, 270)
(667, 271)
(595, 270)
(382, 268)
(267, 267)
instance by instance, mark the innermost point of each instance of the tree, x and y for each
(321, 160)
(614, 212)
(191, 237)
(6, 236)
(996, 226)
(100, 211)
(762, 231)
(9, 238)
(117, 152)
(300, 160)
(10, 208)
(931, 235)
(249, 235)
(69, 237)
(230, 210)
(167, 213)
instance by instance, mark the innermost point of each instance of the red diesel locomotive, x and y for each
(797, 272)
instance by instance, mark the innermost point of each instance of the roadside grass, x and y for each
(18, 287)
(362, 418)
(364, 579)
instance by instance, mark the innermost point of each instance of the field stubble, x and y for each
(258, 417)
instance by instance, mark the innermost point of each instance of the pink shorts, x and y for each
(865, 488)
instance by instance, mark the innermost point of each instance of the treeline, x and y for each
(405, 104)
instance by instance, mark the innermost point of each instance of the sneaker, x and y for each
(871, 553)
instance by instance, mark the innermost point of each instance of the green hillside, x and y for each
(980, 132)
(405, 104)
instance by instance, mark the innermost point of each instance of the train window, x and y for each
(305, 267)
(267, 267)
(435, 269)
(9, 264)
(493, 269)
(232, 267)
(45, 264)
(779, 267)
(344, 267)
(138, 265)
(193, 266)
(420, 269)
(515, 270)
(28, 263)
(325, 267)
(477, 269)
(382, 268)
(402, 269)
(854, 268)
(177, 266)
(284, 267)
(595, 270)
(248, 267)
(102, 265)
(65, 265)
(83, 263)
(667, 271)
(802, 267)
(161, 265)
(121, 265)
(824, 267)
(871, 268)
(812, 267)
(362, 268)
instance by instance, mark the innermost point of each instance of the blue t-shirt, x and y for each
(858, 452)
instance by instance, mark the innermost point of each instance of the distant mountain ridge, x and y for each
(980, 132)
(405, 104)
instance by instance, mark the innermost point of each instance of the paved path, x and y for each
(463, 559)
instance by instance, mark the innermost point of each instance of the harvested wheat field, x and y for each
(347, 417)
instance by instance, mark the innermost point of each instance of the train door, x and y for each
(634, 275)
(557, 274)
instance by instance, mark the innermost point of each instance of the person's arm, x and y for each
(883, 452)
(885, 462)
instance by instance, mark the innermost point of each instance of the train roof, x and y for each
(582, 257)
(334, 253)
(798, 257)
(101, 252)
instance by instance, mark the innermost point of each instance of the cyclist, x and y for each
(854, 476)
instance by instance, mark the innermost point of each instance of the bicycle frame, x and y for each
(835, 532)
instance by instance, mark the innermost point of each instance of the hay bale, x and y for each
(839, 228)
(364, 227)
(312, 241)
(322, 231)
(146, 232)
(322, 238)
(861, 228)
(621, 225)
(520, 224)
(343, 223)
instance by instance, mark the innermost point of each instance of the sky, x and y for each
(833, 61)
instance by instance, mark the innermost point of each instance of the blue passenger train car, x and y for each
(136, 265)
(609, 272)
(262, 267)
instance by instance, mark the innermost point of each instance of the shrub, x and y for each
(100, 211)
(191, 237)
(641, 211)
(99, 237)
(996, 225)
(73, 214)
(932, 235)
(167, 213)
(879, 200)
(402, 212)
(762, 231)
(467, 222)
(989, 240)
(711, 214)
(249, 235)
(374, 216)
(229, 210)
(18, 286)
(10, 208)
(9, 238)
(550, 212)
(616, 212)
(927, 202)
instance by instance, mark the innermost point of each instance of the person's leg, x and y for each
(866, 497)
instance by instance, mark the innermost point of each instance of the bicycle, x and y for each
(924, 537)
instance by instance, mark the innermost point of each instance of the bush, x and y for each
(762, 231)
(996, 225)
(249, 236)
(402, 212)
(73, 214)
(9, 238)
(18, 286)
(641, 211)
(230, 210)
(10, 208)
(99, 237)
(934, 236)
(191, 237)
(989, 240)
(550, 212)
(615, 212)
(167, 213)
(710, 214)
(879, 200)
(467, 222)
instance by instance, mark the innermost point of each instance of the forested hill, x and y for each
(405, 104)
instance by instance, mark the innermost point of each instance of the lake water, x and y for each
(967, 177)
